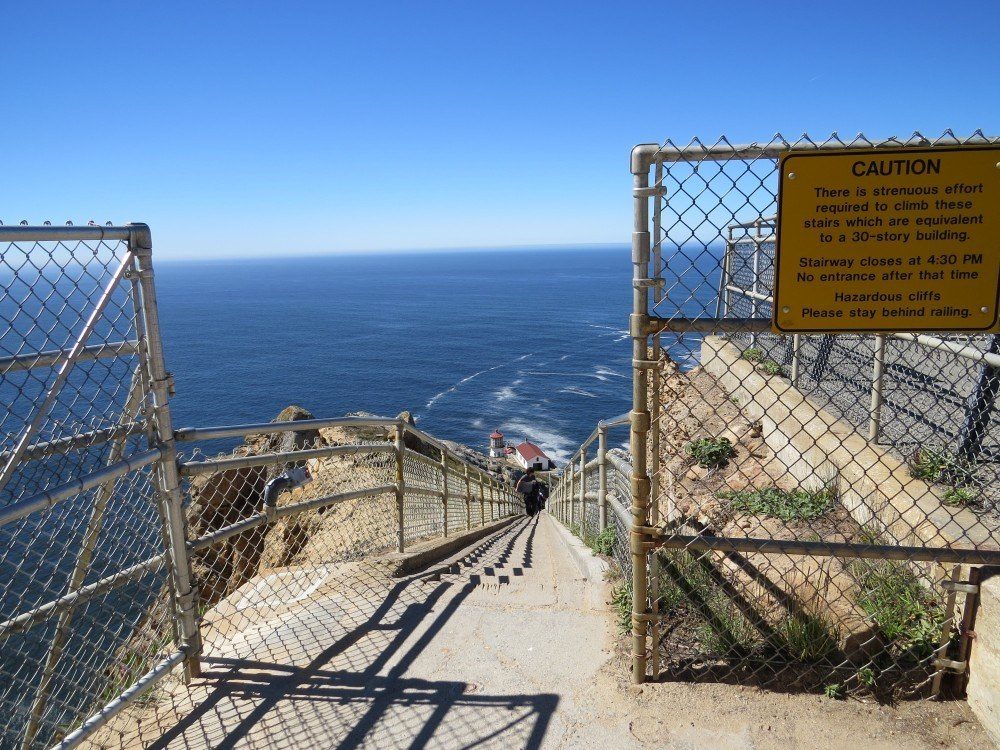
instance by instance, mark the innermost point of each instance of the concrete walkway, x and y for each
(509, 647)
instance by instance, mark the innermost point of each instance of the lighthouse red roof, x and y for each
(496, 435)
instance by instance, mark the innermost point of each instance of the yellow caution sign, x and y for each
(888, 240)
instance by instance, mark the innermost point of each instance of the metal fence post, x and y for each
(878, 368)
(400, 487)
(571, 499)
(169, 479)
(639, 416)
(796, 343)
(583, 493)
(444, 487)
(602, 478)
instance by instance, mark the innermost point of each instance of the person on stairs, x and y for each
(528, 486)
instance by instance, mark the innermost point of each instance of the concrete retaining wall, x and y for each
(876, 488)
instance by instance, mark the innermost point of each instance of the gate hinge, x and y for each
(960, 587)
(646, 364)
(951, 665)
(655, 283)
(648, 192)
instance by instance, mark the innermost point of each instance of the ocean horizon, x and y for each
(529, 342)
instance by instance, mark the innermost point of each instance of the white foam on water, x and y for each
(438, 396)
(578, 391)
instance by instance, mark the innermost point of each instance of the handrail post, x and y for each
(444, 488)
(602, 478)
(400, 487)
(878, 369)
(571, 467)
(583, 493)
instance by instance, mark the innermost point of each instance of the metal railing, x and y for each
(121, 558)
(748, 276)
(591, 497)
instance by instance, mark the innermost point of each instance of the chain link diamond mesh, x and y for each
(763, 448)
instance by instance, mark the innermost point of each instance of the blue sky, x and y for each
(266, 128)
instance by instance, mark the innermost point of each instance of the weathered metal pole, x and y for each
(796, 343)
(639, 416)
(169, 479)
(878, 369)
(583, 493)
(400, 487)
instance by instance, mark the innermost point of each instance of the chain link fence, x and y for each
(83, 550)
(121, 559)
(929, 397)
(807, 509)
(591, 498)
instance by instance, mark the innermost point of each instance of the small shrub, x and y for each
(866, 676)
(770, 367)
(808, 638)
(711, 453)
(931, 465)
(787, 505)
(604, 543)
(960, 497)
(834, 691)
(730, 635)
(753, 354)
(904, 610)
(621, 601)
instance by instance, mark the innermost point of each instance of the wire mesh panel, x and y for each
(813, 503)
(82, 542)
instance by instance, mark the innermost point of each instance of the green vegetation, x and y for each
(753, 354)
(866, 676)
(834, 691)
(900, 605)
(808, 638)
(711, 453)
(960, 497)
(931, 465)
(770, 367)
(788, 505)
(621, 601)
(604, 543)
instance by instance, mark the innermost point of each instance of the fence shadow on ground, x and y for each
(343, 683)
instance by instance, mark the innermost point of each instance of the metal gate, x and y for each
(121, 559)
(806, 510)
(90, 510)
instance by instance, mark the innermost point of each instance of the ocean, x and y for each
(531, 342)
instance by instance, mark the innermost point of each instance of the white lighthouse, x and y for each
(496, 445)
